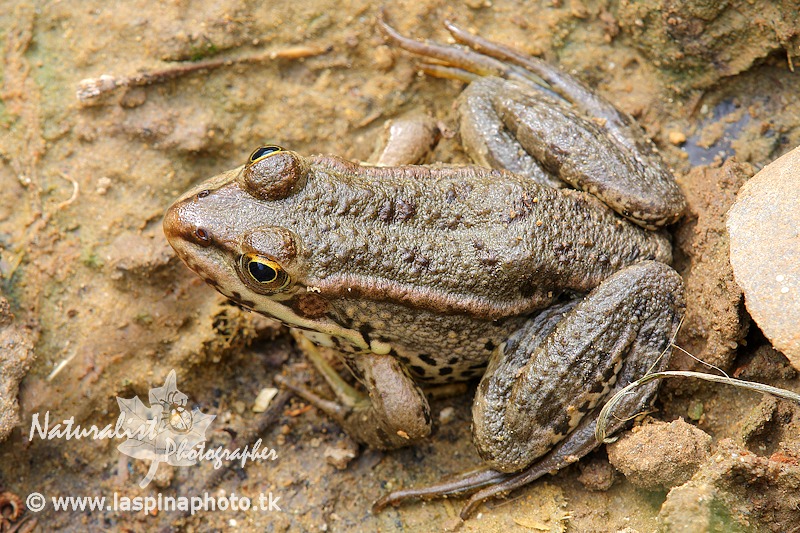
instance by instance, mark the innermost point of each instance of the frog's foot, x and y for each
(485, 483)
(395, 413)
(465, 483)
(518, 123)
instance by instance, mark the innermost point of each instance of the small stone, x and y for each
(765, 251)
(102, 185)
(239, 406)
(446, 415)
(263, 399)
(383, 58)
(695, 411)
(676, 137)
(338, 457)
(597, 475)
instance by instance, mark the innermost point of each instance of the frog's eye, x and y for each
(273, 173)
(263, 151)
(264, 275)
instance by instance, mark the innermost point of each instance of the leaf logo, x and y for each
(157, 431)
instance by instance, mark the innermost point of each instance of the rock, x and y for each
(660, 455)
(16, 355)
(765, 251)
(696, 507)
(597, 474)
(446, 415)
(340, 456)
(263, 399)
(736, 490)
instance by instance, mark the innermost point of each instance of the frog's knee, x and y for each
(399, 406)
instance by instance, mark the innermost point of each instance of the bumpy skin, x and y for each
(429, 273)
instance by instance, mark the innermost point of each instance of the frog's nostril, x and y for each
(202, 237)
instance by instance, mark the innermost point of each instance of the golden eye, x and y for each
(265, 274)
(263, 152)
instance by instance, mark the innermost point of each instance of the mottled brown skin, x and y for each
(427, 274)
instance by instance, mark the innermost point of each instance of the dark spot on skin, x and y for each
(445, 371)
(469, 373)
(598, 387)
(452, 361)
(404, 209)
(417, 370)
(236, 295)
(241, 306)
(249, 303)
(608, 373)
(310, 305)
(528, 288)
(490, 346)
(477, 366)
(551, 412)
(386, 211)
(562, 427)
(427, 359)
(383, 436)
(365, 330)
(403, 359)
(585, 407)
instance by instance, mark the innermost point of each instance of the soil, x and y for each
(99, 307)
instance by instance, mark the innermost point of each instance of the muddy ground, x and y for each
(99, 307)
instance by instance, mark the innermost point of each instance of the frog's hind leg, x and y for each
(528, 117)
(535, 409)
(539, 327)
(394, 413)
(536, 412)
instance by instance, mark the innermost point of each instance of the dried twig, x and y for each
(92, 88)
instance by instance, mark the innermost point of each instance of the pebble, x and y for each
(263, 399)
(676, 137)
(764, 229)
(446, 415)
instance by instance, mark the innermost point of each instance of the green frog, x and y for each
(551, 280)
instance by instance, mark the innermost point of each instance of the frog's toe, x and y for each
(461, 484)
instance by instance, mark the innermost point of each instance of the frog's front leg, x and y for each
(394, 413)
(535, 409)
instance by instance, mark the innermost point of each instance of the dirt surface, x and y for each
(109, 310)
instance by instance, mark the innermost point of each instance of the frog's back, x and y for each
(459, 239)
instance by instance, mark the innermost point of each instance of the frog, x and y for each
(543, 269)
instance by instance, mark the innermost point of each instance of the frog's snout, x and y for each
(181, 227)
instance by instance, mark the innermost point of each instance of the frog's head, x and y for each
(233, 231)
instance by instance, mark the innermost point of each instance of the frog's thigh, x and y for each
(536, 391)
(399, 409)
(488, 141)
